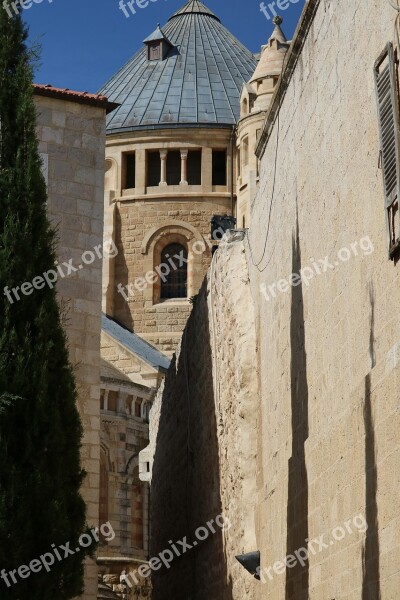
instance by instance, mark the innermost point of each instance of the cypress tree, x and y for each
(40, 430)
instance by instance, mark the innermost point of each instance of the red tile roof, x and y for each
(73, 96)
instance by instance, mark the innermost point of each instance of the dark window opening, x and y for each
(130, 171)
(112, 401)
(219, 167)
(153, 168)
(174, 283)
(138, 408)
(173, 167)
(194, 167)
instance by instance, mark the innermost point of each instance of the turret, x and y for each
(255, 100)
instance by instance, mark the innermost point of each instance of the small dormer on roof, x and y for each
(158, 45)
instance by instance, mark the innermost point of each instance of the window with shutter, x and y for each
(386, 80)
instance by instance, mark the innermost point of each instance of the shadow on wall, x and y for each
(121, 307)
(297, 578)
(371, 578)
(186, 477)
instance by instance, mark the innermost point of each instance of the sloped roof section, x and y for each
(197, 84)
(73, 96)
(157, 36)
(135, 344)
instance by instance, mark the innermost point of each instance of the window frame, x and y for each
(174, 273)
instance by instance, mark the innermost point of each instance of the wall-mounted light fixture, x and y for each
(251, 562)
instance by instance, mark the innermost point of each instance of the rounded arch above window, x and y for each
(180, 229)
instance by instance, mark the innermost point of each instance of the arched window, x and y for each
(173, 272)
(245, 151)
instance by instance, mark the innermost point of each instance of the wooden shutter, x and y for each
(388, 115)
(155, 51)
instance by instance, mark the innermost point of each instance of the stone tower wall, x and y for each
(71, 140)
(145, 219)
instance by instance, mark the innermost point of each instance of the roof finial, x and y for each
(277, 35)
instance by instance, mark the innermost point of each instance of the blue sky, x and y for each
(84, 42)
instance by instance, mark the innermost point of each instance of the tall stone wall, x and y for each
(205, 413)
(329, 344)
(71, 140)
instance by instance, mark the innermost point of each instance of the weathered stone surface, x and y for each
(204, 438)
(80, 292)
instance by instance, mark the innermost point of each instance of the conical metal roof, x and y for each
(195, 6)
(198, 83)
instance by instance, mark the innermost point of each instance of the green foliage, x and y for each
(40, 428)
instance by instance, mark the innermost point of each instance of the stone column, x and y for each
(206, 168)
(163, 177)
(121, 402)
(141, 166)
(184, 155)
(106, 399)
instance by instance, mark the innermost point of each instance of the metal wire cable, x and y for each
(394, 6)
(257, 264)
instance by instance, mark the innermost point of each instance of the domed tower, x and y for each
(170, 168)
(255, 100)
